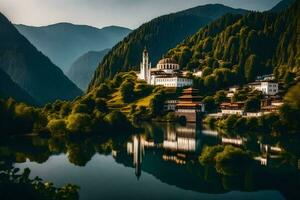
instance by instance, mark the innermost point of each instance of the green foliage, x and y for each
(208, 154)
(252, 104)
(126, 90)
(232, 161)
(79, 123)
(157, 104)
(118, 121)
(15, 185)
(228, 160)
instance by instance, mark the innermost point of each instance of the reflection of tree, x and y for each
(80, 154)
(56, 145)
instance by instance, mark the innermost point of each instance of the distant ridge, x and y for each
(82, 70)
(64, 42)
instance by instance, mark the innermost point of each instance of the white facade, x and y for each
(171, 81)
(267, 88)
(166, 73)
(145, 72)
(232, 111)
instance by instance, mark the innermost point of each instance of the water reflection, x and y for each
(161, 157)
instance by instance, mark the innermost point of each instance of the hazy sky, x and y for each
(99, 13)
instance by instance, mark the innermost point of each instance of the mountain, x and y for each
(235, 48)
(82, 70)
(282, 5)
(63, 43)
(8, 88)
(158, 35)
(30, 69)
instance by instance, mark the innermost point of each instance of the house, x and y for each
(266, 87)
(167, 73)
(236, 108)
(189, 105)
(232, 90)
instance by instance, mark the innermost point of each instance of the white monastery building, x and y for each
(167, 73)
(266, 87)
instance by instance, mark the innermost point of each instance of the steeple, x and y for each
(145, 67)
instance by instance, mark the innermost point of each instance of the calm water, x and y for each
(160, 163)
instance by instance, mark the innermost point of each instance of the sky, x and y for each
(101, 13)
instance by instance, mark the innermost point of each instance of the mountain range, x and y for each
(82, 70)
(63, 43)
(158, 35)
(30, 69)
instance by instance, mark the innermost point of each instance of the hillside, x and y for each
(8, 88)
(82, 70)
(158, 35)
(63, 43)
(282, 5)
(30, 69)
(235, 49)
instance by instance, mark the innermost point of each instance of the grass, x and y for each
(116, 101)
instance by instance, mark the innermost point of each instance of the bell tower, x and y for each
(145, 67)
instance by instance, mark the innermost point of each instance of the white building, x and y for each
(266, 87)
(236, 108)
(167, 73)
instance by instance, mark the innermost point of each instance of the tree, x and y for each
(127, 91)
(102, 91)
(250, 65)
(210, 104)
(252, 104)
(79, 123)
(157, 104)
(57, 126)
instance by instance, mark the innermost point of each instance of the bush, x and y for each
(79, 123)
(57, 126)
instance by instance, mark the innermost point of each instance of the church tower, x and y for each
(145, 67)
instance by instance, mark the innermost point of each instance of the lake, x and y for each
(159, 163)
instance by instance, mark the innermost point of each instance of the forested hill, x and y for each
(158, 36)
(8, 88)
(30, 69)
(244, 47)
(282, 5)
(63, 43)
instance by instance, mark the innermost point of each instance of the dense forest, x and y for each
(30, 69)
(235, 49)
(158, 35)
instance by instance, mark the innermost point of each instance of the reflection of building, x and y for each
(189, 105)
(166, 73)
(180, 139)
(170, 105)
(178, 142)
(136, 148)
